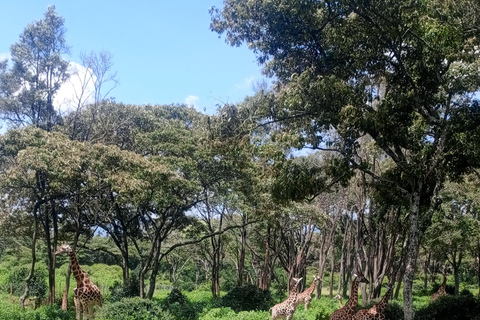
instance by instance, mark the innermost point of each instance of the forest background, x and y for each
(164, 196)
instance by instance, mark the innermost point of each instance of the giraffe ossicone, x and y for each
(86, 294)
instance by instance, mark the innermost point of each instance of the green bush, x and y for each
(179, 306)
(451, 308)
(14, 312)
(394, 311)
(247, 298)
(128, 290)
(133, 309)
(38, 285)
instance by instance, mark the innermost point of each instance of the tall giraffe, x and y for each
(377, 312)
(287, 307)
(86, 294)
(339, 298)
(441, 291)
(347, 312)
(306, 296)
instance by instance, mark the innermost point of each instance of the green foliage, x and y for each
(38, 286)
(133, 309)
(128, 290)
(394, 311)
(247, 298)
(180, 307)
(12, 311)
(451, 308)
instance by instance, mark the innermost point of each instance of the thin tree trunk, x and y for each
(29, 277)
(241, 254)
(411, 256)
(332, 271)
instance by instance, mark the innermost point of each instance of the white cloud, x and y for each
(4, 56)
(246, 84)
(77, 91)
(192, 100)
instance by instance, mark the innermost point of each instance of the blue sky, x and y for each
(164, 51)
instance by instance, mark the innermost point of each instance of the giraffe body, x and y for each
(86, 294)
(287, 307)
(306, 296)
(441, 291)
(347, 311)
(377, 312)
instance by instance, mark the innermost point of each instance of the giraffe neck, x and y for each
(312, 287)
(383, 303)
(76, 270)
(444, 283)
(293, 293)
(351, 304)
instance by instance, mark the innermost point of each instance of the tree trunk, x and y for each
(154, 270)
(456, 272)
(412, 253)
(266, 271)
(425, 269)
(29, 277)
(332, 271)
(241, 253)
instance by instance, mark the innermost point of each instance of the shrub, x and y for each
(451, 308)
(14, 312)
(128, 290)
(247, 298)
(394, 311)
(38, 286)
(179, 306)
(133, 309)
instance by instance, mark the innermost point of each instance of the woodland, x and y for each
(358, 155)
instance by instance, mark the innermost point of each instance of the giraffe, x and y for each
(86, 294)
(339, 298)
(287, 307)
(377, 312)
(306, 296)
(347, 312)
(441, 291)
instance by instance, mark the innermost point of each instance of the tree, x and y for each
(37, 73)
(332, 60)
(455, 228)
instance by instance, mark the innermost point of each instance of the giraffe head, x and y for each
(360, 278)
(64, 249)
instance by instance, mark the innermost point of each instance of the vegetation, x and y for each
(175, 214)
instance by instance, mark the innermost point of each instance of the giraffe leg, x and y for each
(78, 308)
(307, 304)
(90, 310)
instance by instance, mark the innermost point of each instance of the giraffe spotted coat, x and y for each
(347, 312)
(306, 296)
(287, 307)
(377, 312)
(86, 294)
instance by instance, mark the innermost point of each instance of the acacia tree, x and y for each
(37, 73)
(332, 59)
